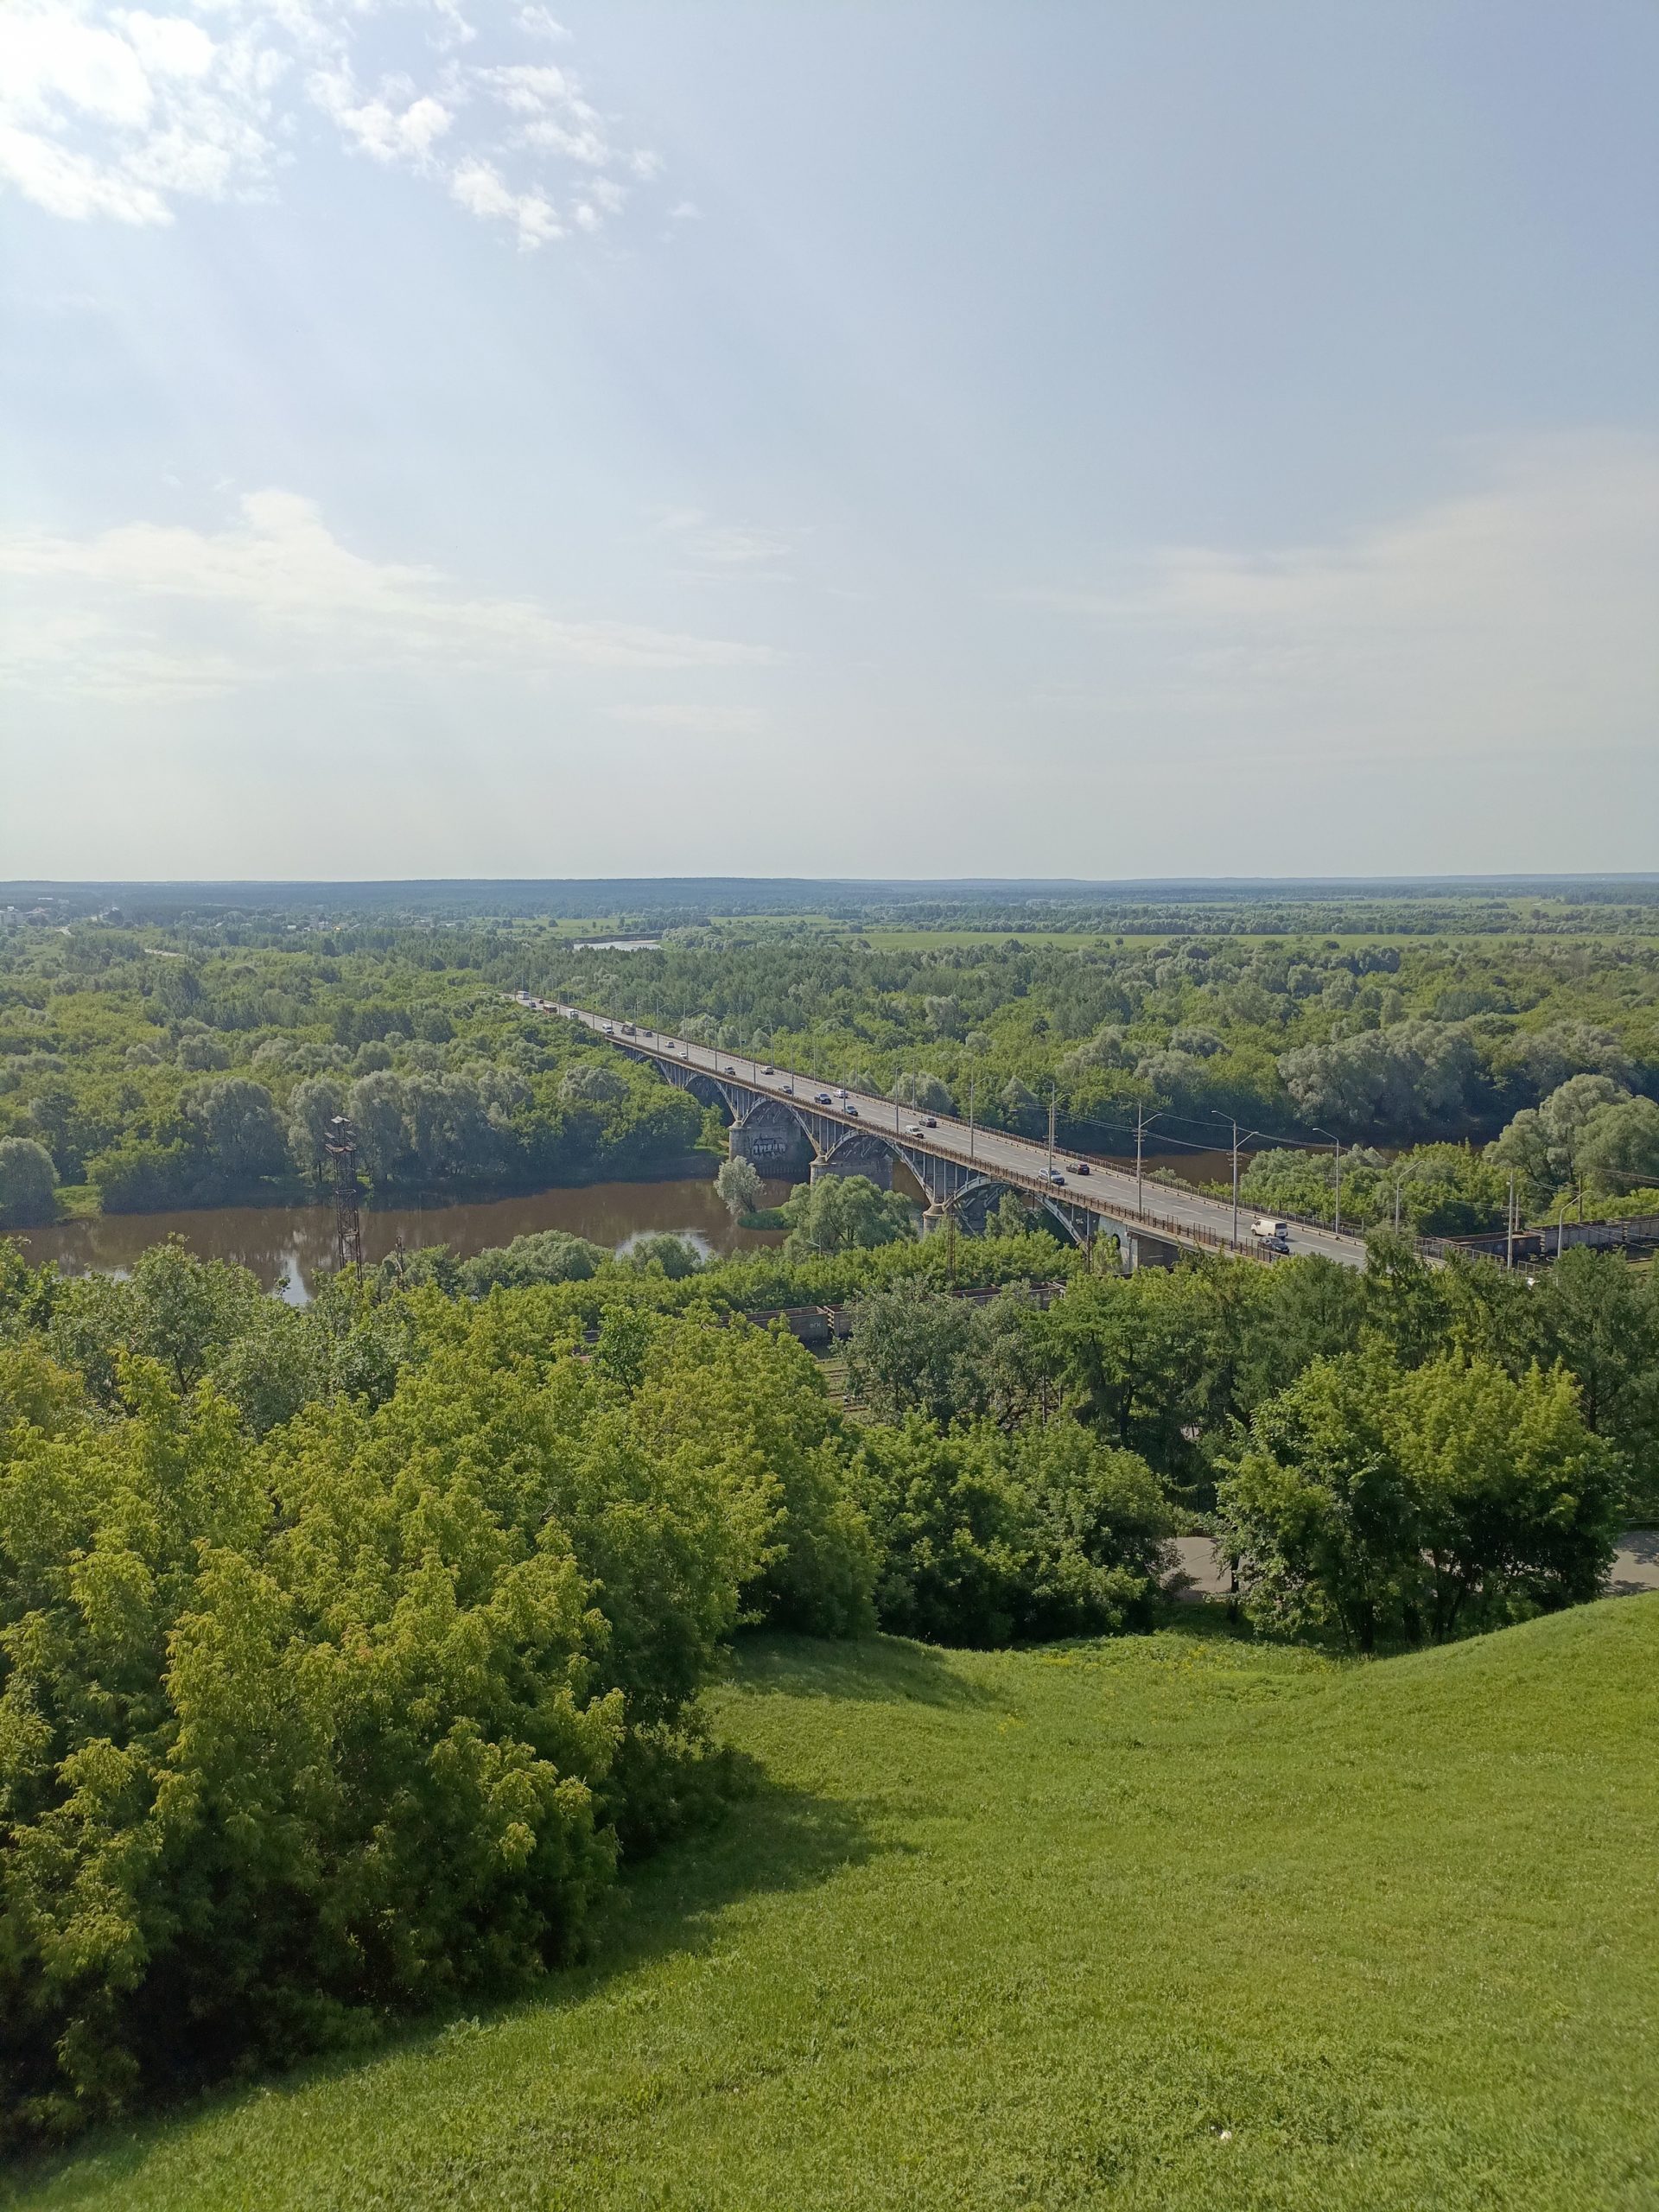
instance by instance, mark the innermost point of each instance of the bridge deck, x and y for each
(1106, 1195)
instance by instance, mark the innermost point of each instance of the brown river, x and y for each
(288, 1247)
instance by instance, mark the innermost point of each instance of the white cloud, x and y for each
(380, 127)
(528, 88)
(481, 189)
(119, 114)
(124, 115)
(148, 610)
(1510, 618)
(538, 24)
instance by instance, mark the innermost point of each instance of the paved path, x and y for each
(1167, 1210)
(1635, 1570)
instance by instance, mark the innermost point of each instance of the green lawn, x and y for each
(1173, 1921)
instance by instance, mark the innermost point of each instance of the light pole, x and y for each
(1051, 1133)
(1249, 1134)
(1141, 1125)
(970, 1121)
(1337, 1142)
(1508, 1229)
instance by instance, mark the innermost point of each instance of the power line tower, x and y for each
(348, 1224)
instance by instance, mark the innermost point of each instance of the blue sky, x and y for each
(1107, 440)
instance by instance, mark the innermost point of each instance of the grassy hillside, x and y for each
(1169, 1922)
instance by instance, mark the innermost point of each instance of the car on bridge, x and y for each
(915, 1129)
(1077, 1167)
(731, 1070)
(821, 1099)
(1053, 1175)
(850, 1109)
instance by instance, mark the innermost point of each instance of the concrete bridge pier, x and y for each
(773, 1140)
(857, 1154)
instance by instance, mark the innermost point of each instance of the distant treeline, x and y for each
(1414, 906)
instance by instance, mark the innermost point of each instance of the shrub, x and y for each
(542, 1255)
(305, 1733)
(985, 1538)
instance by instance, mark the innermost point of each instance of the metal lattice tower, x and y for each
(348, 1225)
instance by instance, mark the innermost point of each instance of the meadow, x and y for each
(1181, 1920)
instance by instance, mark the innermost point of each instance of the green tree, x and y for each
(738, 1182)
(1598, 1317)
(1395, 1503)
(925, 1092)
(1618, 1154)
(313, 1106)
(27, 1182)
(676, 1257)
(1021, 1110)
(1546, 1145)
(240, 1128)
(375, 1105)
(841, 1213)
(915, 1350)
(1318, 1513)
(593, 1083)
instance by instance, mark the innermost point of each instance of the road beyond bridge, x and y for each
(788, 1123)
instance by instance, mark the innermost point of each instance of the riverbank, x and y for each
(289, 1247)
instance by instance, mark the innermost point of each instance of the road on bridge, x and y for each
(1170, 1213)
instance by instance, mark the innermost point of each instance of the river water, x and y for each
(288, 1247)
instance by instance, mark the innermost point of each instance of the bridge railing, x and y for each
(1166, 1227)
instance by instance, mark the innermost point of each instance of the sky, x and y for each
(465, 438)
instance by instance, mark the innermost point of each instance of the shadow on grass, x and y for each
(768, 1839)
(872, 1670)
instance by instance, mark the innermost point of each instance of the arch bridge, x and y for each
(791, 1125)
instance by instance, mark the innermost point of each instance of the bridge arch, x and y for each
(860, 1152)
(774, 1138)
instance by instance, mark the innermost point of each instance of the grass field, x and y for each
(1177, 1921)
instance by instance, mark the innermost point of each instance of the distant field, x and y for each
(1173, 1922)
(918, 940)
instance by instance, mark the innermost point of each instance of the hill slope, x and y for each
(1172, 1921)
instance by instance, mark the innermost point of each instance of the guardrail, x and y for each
(1166, 1227)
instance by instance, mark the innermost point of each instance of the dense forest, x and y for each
(154, 1076)
(150, 1066)
(1545, 1052)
